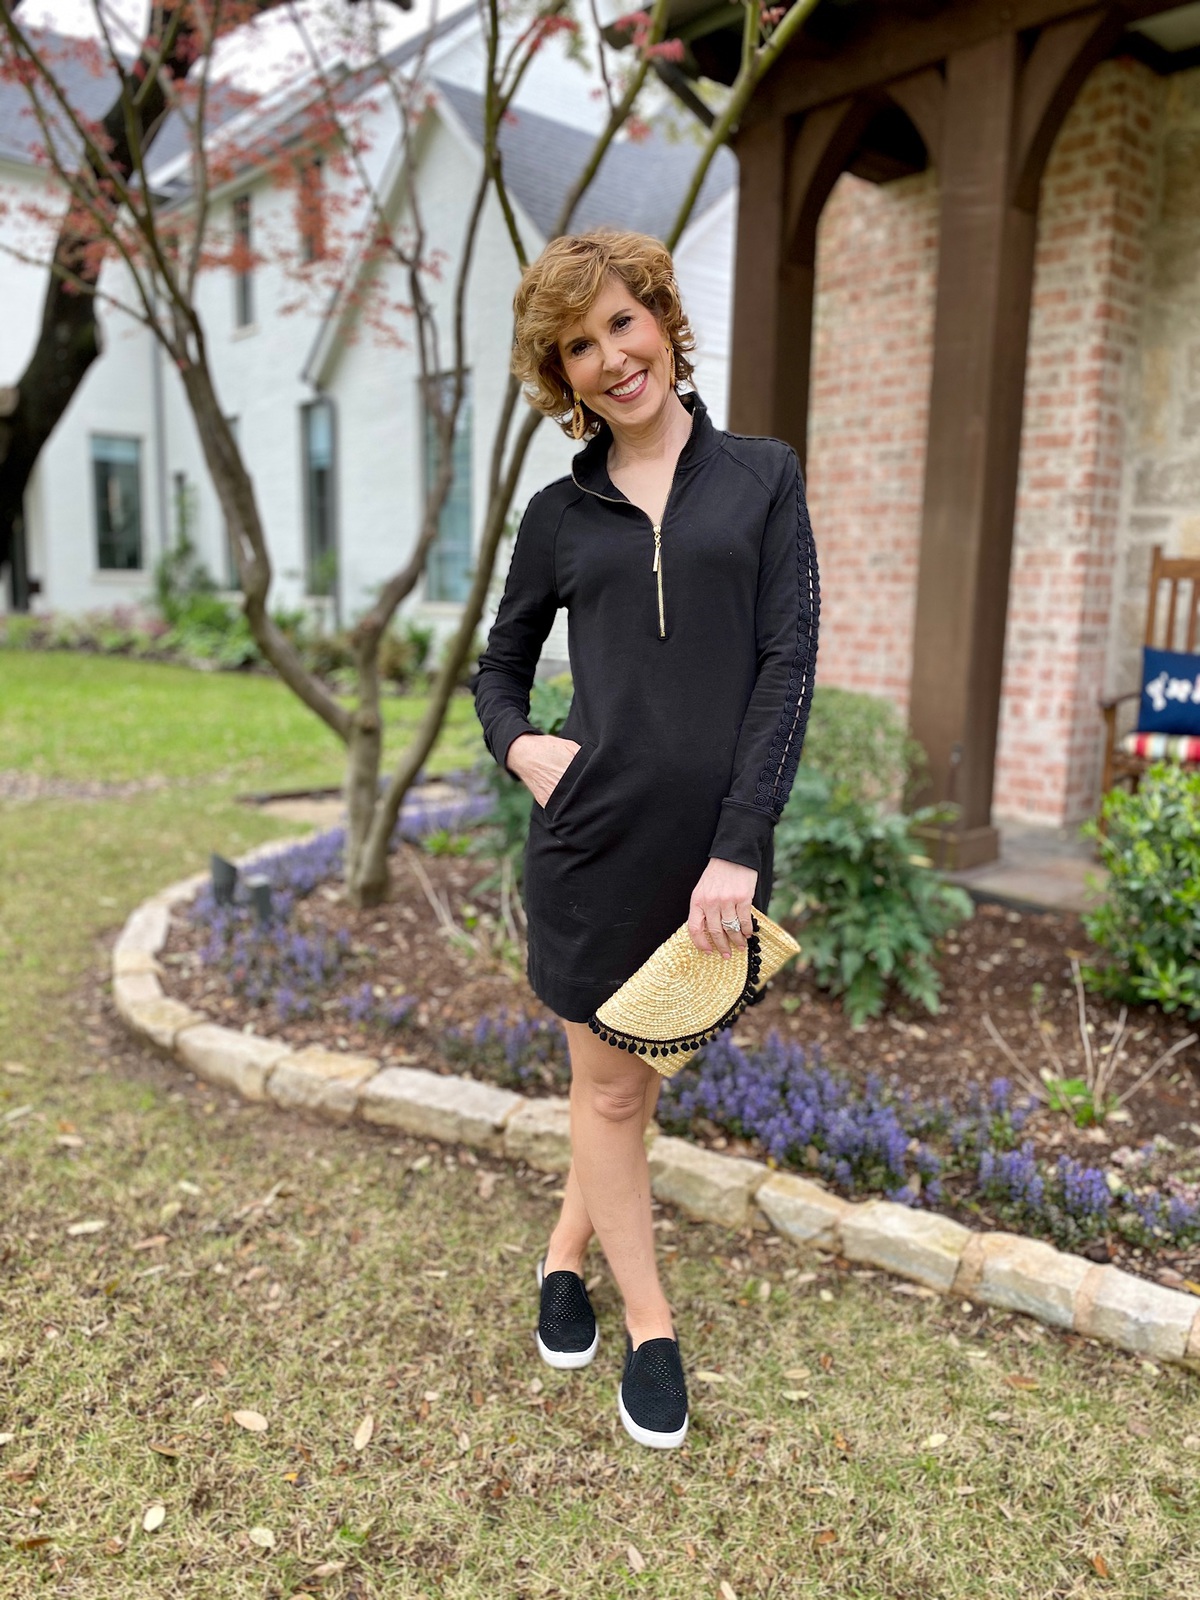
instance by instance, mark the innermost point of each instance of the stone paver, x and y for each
(147, 928)
(712, 1186)
(452, 1109)
(539, 1133)
(802, 1210)
(1121, 1309)
(918, 1244)
(134, 963)
(325, 1081)
(161, 1021)
(1022, 1274)
(240, 1061)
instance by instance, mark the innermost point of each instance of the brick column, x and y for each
(1097, 197)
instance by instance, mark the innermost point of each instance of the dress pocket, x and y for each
(567, 783)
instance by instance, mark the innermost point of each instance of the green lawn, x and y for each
(847, 1440)
(98, 717)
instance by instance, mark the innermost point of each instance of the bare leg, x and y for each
(610, 1090)
(573, 1230)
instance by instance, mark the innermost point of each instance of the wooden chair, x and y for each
(1172, 623)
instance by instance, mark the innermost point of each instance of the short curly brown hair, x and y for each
(562, 284)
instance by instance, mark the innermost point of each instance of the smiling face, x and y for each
(617, 358)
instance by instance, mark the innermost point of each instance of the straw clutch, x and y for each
(682, 997)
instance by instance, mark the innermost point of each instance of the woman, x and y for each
(684, 557)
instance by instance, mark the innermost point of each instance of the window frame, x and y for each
(243, 280)
(309, 499)
(433, 584)
(313, 243)
(95, 461)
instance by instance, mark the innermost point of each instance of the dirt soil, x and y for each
(989, 966)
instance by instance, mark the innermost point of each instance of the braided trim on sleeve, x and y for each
(783, 756)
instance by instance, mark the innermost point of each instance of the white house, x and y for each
(329, 417)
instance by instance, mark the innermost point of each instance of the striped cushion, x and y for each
(1162, 746)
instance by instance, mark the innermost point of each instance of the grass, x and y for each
(847, 1440)
(99, 718)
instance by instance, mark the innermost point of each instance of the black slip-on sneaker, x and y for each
(652, 1394)
(567, 1335)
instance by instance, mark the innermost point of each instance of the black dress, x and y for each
(692, 651)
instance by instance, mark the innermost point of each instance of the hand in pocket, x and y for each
(540, 761)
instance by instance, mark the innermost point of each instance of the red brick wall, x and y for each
(1097, 199)
(876, 269)
(872, 352)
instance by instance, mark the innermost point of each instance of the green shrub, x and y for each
(404, 653)
(19, 631)
(181, 578)
(869, 906)
(328, 653)
(861, 744)
(1149, 922)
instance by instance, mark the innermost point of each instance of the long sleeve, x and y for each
(772, 731)
(506, 668)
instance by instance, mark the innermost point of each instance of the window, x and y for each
(310, 211)
(117, 473)
(448, 568)
(319, 489)
(243, 287)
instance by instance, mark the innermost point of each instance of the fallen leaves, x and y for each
(262, 1537)
(1100, 1567)
(364, 1432)
(635, 1558)
(935, 1441)
(92, 1225)
(1018, 1380)
(155, 1516)
(252, 1421)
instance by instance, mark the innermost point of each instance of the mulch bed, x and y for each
(989, 965)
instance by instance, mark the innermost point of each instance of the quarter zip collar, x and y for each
(589, 466)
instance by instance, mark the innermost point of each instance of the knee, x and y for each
(621, 1101)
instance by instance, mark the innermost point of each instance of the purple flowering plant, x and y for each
(519, 1050)
(877, 1137)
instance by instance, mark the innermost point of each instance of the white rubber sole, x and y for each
(564, 1360)
(657, 1441)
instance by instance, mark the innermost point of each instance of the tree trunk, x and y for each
(365, 885)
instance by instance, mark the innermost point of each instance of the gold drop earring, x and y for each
(671, 353)
(578, 420)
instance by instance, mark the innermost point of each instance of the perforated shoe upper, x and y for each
(566, 1320)
(653, 1388)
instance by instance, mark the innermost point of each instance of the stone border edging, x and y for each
(1005, 1270)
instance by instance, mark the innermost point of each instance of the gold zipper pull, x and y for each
(657, 567)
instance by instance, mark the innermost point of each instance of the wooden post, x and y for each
(981, 326)
(787, 168)
(772, 301)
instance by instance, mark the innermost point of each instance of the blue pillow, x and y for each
(1170, 692)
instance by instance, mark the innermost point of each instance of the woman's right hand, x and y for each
(539, 760)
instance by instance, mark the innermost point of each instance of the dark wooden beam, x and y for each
(879, 44)
(762, 296)
(922, 97)
(1061, 59)
(981, 322)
